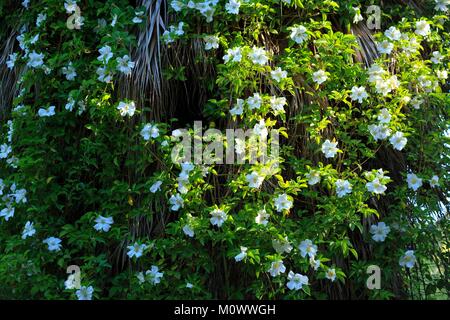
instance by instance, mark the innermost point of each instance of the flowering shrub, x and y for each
(86, 152)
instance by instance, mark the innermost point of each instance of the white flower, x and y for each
(150, 131)
(154, 275)
(126, 108)
(382, 87)
(12, 58)
(437, 57)
(136, 250)
(28, 230)
(176, 202)
(408, 259)
(54, 244)
(375, 73)
(343, 187)
(238, 108)
(19, 194)
(313, 177)
(7, 213)
(85, 293)
(359, 93)
(233, 55)
(331, 274)
(177, 5)
(379, 131)
(25, 3)
(296, 281)
(434, 182)
(258, 56)
(232, 7)
(211, 42)
(384, 116)
(5, 150)
(70, 6)
(218, 217)
(40, 18)
(125, 65)
(442, 74)
(189, 285)
(137, 20)
(71, 282)
(254, 179)
(414, 182)
(179, 29)
(298, 34)
(156, 186)
(422, 28)
(260, 129)
(70, 104)
(277, 104)
(320, 77)
(441, 5)
(187, 229)
(50, 111)
(78, 22)
(329, 148)
(307, 247)
(69, 72)
(103, 74)
(393, 34)
(379, 231)
(114, 20)
(35, 60)
(315, 264)
(141, 277)
(241, 256)
(376, 186)
(103, 223)
(262, 217)
(282, 202)
(276, 268)
(358, 16)
(105, 54)
(281, 246)
(254, 102)
(398, 141)
(278, 74)
(385, 47)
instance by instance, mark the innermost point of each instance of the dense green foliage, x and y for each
(90, 158)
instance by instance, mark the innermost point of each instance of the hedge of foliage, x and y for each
(99, 89)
